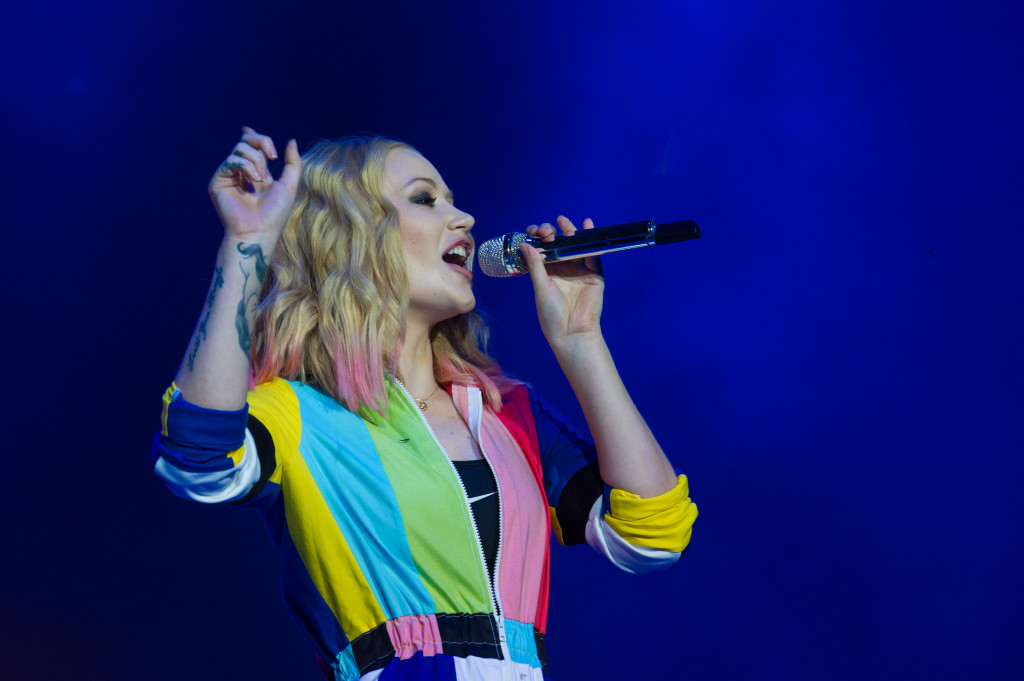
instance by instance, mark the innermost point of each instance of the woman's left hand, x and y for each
(569, 294)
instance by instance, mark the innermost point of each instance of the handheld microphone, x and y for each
(501, 257)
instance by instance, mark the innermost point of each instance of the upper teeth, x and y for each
(457, 250)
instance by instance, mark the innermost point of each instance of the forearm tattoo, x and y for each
(218, 282)
(252, 252)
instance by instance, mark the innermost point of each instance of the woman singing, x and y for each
(410, 487)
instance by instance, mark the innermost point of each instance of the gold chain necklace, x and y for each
(422, 403)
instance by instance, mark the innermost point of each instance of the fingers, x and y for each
(255, 159)
(592, 263)
(292, 165)
(535, 266)
(248, 159)
(547, 232)
(568, 228)
(258, 141)
(565, 224)
(544, 232)
(241, 167)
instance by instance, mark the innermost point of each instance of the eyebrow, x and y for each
(449, 195)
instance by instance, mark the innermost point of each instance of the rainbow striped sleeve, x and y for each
(208, 455)
(642, 535)
(572, 480)
(637, 535)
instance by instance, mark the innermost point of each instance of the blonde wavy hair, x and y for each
(332, 312)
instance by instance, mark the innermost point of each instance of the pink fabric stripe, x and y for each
(414, 633)
(524, 531)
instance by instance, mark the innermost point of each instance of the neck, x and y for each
(416, 363)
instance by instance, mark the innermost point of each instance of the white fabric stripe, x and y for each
(476, 410)
(484, 669)
(215, 486)
(623, 555)
(474, 668)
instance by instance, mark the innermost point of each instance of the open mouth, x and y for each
(458, 254)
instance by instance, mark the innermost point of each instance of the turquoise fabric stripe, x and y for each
(343, 461)
(522, 646)
(346, 669)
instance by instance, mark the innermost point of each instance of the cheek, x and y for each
(412, 238)
(413, 250)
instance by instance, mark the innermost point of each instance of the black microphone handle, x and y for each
(586, 242)
(501, 257)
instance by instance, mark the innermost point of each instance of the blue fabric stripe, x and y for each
(522, 646)
(189, 459)
(420, 668)
(195, 426)
(563, 451)
(344, 463)
(303, 599)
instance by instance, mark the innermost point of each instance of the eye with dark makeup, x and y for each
(424, 200)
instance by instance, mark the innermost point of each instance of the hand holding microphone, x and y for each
(501, 257)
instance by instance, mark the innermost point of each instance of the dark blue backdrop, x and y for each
(835, 364)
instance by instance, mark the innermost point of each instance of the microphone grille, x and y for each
(500, 256)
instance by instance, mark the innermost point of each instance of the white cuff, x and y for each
(623, 555)
(212, 487)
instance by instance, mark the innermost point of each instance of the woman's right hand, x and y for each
(252, 205)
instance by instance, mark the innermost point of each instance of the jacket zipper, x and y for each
(492, 583)
(472, 400)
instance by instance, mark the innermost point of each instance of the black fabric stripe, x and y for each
(373, 649)
(542, 651)
(265, 449)
(465, 635)
(478, 480)
(461, 636)
(574, 505)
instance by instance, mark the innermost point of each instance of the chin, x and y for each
(465, 308)
(453, 312)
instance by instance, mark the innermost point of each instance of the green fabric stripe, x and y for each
(433, 508)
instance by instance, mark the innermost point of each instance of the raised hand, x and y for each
(569, 294)
(254, 209)
(252, 205)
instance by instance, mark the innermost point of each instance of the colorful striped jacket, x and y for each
(381, 561)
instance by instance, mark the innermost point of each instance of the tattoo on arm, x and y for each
(200, 335)
(255, 253)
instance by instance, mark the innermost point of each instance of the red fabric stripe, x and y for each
(517, 418)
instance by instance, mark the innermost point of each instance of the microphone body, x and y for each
(501, 257)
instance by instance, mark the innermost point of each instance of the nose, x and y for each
(461, 220)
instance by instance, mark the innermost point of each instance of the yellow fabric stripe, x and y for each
(324, 551)
(326, 555)
(555, 527)
(236, 455)
(662, 522)
(163, 411)
(276, 406)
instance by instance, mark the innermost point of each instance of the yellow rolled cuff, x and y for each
(663, 522)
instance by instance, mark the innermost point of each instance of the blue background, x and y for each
(836, 363)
